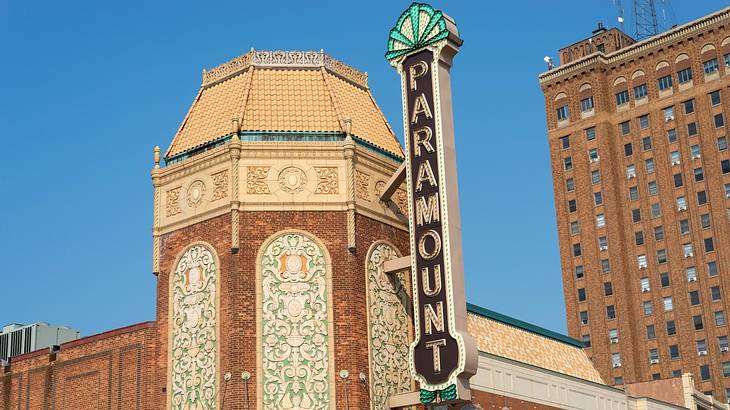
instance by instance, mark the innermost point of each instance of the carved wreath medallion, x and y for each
(292, 180)
(195, 194)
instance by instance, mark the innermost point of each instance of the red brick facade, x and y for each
(127, 368)
(602, 78)
(112, 370)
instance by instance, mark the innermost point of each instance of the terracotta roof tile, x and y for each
(283, 91)
(500, 339)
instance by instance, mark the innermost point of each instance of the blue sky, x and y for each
(89, 87)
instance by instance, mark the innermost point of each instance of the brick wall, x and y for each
(110, 370)
(620, 229)
(238, 292)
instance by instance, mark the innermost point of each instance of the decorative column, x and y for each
(156, 213)
(350, 157)
(235, 150)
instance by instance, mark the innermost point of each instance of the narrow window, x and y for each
(658, 233)
(719, 121)
(689, 106)
(640, 91)
(711, 66)
(665, 82)
(692, 129)
(565, 142)
(590, 133)
(628, 149)
(646, 143)
(586, 104)
(563, 113)
(722, 144)
(715, 97)
(644, 121)
(622, 97)
(649, 164)
(684, 75)
(625, 127)
(672, 135)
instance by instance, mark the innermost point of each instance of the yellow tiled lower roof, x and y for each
(283, 91)
(500, 339)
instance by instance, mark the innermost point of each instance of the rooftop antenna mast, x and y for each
(620, 9)
(645, 17)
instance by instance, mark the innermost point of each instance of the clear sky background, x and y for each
(90, 87)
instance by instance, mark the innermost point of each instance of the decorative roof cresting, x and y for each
(313, 59)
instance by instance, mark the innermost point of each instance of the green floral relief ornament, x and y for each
(194, 337)
(295, 338)
(418, 26)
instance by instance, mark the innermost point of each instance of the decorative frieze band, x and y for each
(313, 59)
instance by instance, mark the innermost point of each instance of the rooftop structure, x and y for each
(282, 95)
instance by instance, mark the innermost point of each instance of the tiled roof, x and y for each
(283, 91)
(513, 339)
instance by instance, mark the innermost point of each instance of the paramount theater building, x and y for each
(287, 274)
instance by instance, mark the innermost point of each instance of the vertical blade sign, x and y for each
(442, 356)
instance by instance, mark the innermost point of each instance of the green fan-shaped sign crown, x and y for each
(418, 26)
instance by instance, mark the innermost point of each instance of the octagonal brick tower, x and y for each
(269, 238)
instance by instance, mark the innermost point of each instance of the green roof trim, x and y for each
(528, 327)
(284, 136)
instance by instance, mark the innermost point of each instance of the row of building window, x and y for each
(641, 90)
(668, 113)
(667, 301)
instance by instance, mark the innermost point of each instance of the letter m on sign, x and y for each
(427, 209)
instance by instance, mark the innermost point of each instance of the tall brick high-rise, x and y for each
(641, 173)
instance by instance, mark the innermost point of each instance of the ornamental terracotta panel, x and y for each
(388, 327)
(295, 335)
(194, 330)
